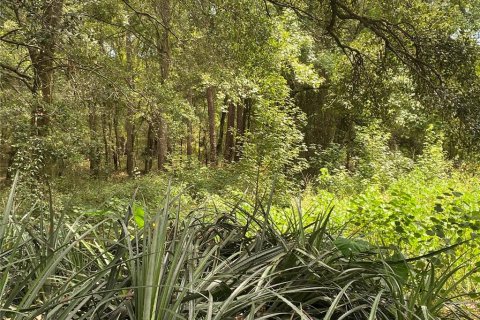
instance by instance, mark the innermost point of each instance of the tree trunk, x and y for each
(149, 148)
(200, 142)
(211, 126)
(221, 133)
(246, 115)
(42, 59)
(162, 143)
(94, 156)
(42, 55)
(130, 125)
(130, 145)
(189, 139)
(240, 132)
(230, 140)
(180, 152)
(118, 144)
(164, 11)
(105, 140)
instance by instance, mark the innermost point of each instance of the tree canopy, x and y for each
(136, 85)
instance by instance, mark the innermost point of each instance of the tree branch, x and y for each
(11, 71)
(151, 17)
(16, 71)
(396, 38)
(3, 36)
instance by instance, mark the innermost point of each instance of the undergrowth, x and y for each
(203, 264)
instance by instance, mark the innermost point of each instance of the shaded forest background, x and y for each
(284, 88)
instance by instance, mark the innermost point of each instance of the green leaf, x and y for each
(399, 266)
(438, 207)
(139, 215)
(373, 311)
(350, 247)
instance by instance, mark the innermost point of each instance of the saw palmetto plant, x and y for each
(192, 267)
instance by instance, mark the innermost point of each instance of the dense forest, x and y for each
(239, 159)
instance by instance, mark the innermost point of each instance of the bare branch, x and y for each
(21, 44)
(151, 17)
(15, 73)
(3, 36)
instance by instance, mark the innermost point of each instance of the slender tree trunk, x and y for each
(246, 115)
(162, 143)
(111, 143)
(118, 144)
(211, 126)
(190, 132)
(221, 132)
(105, 140)
(240, 132)
(130, 145)
(229, 140)
(189, 139)
(163, 9)
(181, 151)
(94, 156)
(130, 125)
(149, 148)
(200, 142)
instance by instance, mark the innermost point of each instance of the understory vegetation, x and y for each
(164, 247)
(235, 264)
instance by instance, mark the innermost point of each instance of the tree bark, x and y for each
(189, 139)
(247, 114)
(130, 125)
(211, 126)
(200, 142)
(164, 11)
(162, 145)
(240, 132)
(118, 144)
(94, 156)
(149, 148)
(230, 138)
(190, 131)
(221, 133)
(43, 63)
(105, 140)
(130, 145)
